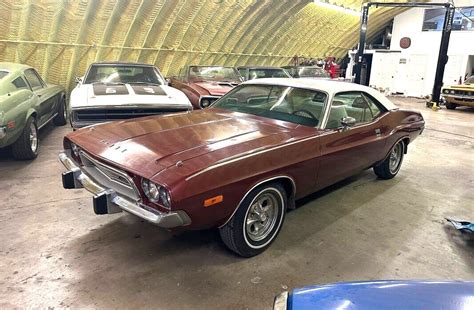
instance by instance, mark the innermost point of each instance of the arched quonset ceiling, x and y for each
(61, 37)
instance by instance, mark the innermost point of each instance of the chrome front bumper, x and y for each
(107, 200)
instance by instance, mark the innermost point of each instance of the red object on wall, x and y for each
(405, 42)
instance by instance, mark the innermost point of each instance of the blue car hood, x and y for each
(385, 295)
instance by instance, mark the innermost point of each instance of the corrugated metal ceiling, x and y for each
(61, 37)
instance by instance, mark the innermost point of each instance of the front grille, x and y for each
(109, 177)
(463, 93)
(98, 115)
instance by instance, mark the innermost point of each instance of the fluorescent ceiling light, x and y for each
(337, 8)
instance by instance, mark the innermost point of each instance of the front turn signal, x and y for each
(212, 201)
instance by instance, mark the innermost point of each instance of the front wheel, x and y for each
(450, 106)
(26, 147)
(257, 222)
(391, 165)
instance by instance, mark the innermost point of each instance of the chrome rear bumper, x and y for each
(107, 200)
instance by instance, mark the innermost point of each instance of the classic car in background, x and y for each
(205, 84)
(241, 163)
(380, 295)
(313, 72)
(27, 103)
(259, 72)
(115, 91)
(459, 95)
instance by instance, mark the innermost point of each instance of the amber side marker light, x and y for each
(212, 201)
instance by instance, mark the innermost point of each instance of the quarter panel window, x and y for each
(20, 83)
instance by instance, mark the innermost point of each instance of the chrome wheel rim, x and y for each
(33, 138)
(262, 216)
(395, 158)
(64, 112)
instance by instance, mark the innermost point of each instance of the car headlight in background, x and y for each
(446, 91)
(156, 193)
(452, 92)
(75, 149)
(205, 103)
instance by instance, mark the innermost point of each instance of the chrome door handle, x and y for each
(378, 133)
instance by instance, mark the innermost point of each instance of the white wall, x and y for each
(461, 45)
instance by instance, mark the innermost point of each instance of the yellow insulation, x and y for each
(62, 37)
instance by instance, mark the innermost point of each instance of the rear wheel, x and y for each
(391, 165)
(450, 106)
(61, 118)
(26, 147)
(257, 222)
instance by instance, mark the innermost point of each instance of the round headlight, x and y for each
(165, 198)
(446, 91)
(151, 190)
(75, 149)
(452, 92)
(205, 103)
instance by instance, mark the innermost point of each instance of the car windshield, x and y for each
(296, 105)
(470, 80)
(123, 74)
(312, 72)
(259, 73)
(3, 74)
(221, 74)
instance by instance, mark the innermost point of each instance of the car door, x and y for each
(349, 150)
(45, 106)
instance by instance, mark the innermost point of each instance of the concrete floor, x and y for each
(55, 252)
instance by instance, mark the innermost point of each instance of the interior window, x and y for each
(33, 79)
(19, 83)
(297, 105)
(353, 104)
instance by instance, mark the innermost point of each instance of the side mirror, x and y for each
(348, 121)
(78, 79)
(168, 81)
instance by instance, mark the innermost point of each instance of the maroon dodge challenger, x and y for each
(241, 163)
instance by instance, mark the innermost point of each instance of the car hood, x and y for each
(215, 88)
(384, 295)
(98, 95)
(149, 145)
(468, 87)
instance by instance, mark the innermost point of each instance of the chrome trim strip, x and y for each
(281, 301)
(49, 120)
(255, 186)
(117, 203)
(3, 132)
(235, 158)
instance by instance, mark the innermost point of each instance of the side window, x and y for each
(20, 83)
(354, 104)
(33, 79)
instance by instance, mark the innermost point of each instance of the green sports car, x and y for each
(27, 103)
